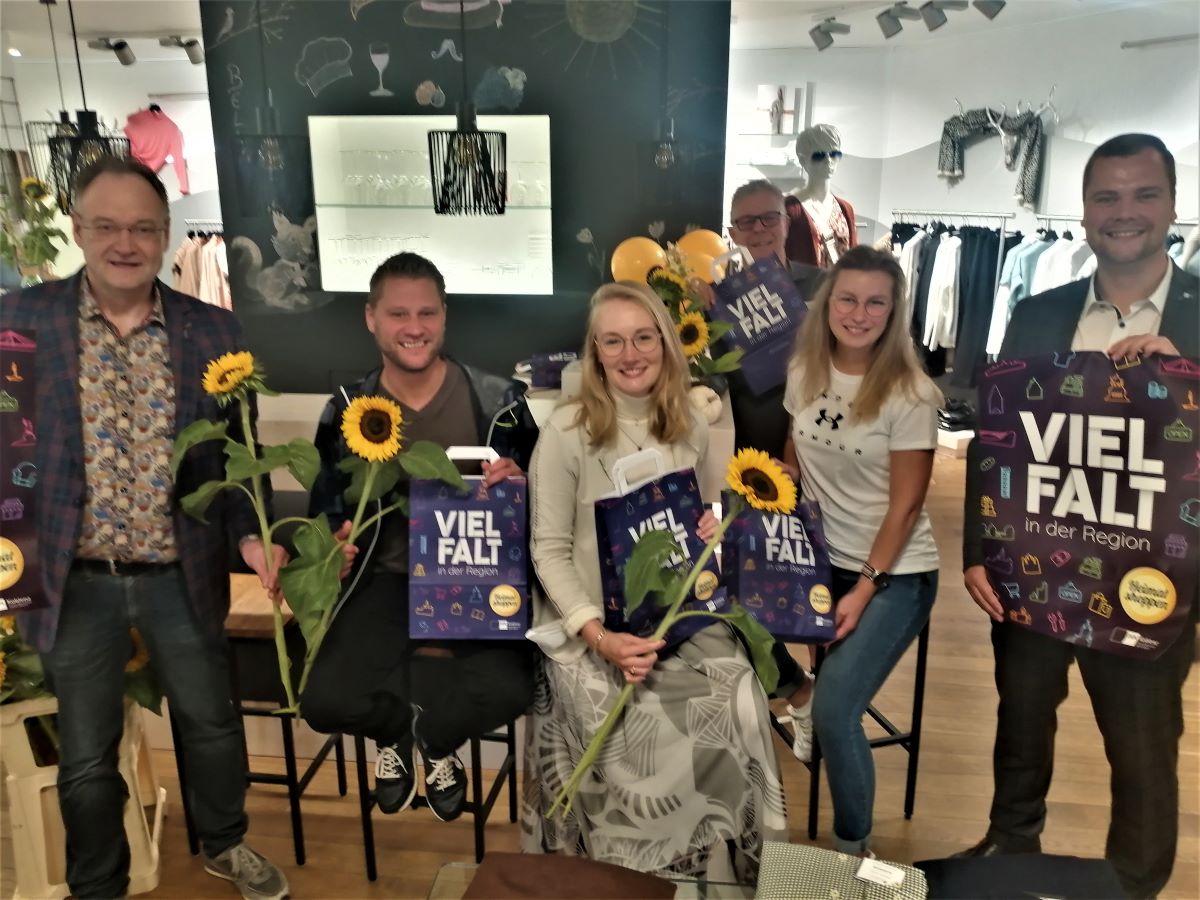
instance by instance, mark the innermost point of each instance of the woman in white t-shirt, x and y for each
(863, 431)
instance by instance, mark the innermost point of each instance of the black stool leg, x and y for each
(339, 755)
(365, 802)
(914, 741)
(181, 768)
(477, 792)
(512, 776)
(293, 787)
(814, 768)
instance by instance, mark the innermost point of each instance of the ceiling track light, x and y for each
(889, 19)
(121, 48)
(934, 14)
(192, 47)
(990, 8)
(822, 33)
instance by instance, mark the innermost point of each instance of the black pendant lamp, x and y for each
(467, 166)
(76, 145)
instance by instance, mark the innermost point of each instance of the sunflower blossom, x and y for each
(34, 188)
(3, 668)
(8, 624)
(371, 426)
(141, 653)
(227, 373)
(670, 287)
(693, 334)
(761, 481)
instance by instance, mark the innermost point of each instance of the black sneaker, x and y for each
(445, 786)
(395, 776)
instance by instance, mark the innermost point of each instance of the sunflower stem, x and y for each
(566, 797)
(260, 510)
(368, 522)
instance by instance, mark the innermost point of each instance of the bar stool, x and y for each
(479, 806)
(893, 736)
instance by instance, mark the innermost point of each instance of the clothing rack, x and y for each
(1002, 217)
(216, 222)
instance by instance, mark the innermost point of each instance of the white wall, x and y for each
(114, 92)
(890, 102)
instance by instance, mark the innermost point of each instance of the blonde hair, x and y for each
(671, 414)
(894, 364)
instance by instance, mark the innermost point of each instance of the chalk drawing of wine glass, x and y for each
(379, 59)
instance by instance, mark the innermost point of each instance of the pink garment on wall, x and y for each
(152, 138)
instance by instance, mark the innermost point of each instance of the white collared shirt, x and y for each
(1101, 325)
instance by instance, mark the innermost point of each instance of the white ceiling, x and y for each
(771, 24)
(141, 22)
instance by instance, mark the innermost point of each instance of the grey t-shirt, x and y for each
(447, 420)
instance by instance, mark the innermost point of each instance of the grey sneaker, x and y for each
(255, 875)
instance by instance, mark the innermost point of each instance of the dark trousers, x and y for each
(86, 671)
(1139, 709)
(368, 675)
(976, 295)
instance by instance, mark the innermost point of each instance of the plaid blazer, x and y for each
(196, 333)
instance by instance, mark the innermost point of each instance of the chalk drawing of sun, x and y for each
(618, 31)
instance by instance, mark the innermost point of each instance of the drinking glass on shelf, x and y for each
(380, 54)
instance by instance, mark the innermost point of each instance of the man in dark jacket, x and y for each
(120, 358)
(1138, 302)
(369, 677)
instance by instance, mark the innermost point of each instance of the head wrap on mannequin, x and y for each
(818, 138)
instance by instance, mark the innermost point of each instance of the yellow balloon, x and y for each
(702, 241)
(699, 265)
(635, 257)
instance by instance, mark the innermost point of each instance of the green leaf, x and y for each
(142, 688)
(760, 642)
(728, 362)
(197, 502)
(303, 462)
(385, 479)
(310, 581)
(241, 464)
(646, 570)
(196, 433)
(717, 329)
(425, 459)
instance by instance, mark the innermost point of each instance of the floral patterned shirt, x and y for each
(127, 400)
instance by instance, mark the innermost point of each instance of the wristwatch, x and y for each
(880, 579)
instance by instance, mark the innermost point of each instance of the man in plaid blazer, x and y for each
(120, 360)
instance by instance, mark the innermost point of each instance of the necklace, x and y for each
(640, 445)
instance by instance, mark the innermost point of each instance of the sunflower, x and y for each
(371, 426)
(670, 287)
(693, 334)
(3, 668)
(141, 653)
(8, 624)
(34, 188)
(761, 481)
(227, 373)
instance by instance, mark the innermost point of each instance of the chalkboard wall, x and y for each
(603, 70)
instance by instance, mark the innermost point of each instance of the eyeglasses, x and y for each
(876, 307)
(610, 346)
(142, 231)
(820, 155)
(767, 219)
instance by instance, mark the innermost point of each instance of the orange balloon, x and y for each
(699, 265)
(635, 257)
(702, 241)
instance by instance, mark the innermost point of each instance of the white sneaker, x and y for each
(800, 718)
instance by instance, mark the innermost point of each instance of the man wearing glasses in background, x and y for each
(120, 358)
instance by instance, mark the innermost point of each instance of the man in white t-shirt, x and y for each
(1138, 302)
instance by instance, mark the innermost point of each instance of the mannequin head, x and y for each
(819, 150)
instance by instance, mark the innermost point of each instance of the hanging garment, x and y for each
(934, 360)
(1023, 271)
(1060, 264)
(942, 303)
(976, 296)
(1000, 306)
(910, 258)
(1026, 139)
(187, 266)
(153, 138)
(214, 274)
(804, 244)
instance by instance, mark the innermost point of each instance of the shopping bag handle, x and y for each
(483, 454)
(634, 461)
(740, 253)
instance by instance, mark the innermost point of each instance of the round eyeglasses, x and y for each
(610, 346)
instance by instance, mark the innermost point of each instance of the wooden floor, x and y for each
(953, 795)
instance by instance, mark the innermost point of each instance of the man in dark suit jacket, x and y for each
(1138, 302)
(120, 360)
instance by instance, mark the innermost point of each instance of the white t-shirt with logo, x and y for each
(847, 466)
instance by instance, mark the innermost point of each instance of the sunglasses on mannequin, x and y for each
(820, 155)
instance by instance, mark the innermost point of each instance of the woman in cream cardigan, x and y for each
(687, 783)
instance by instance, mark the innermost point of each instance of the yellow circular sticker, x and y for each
(819, 599)
(705, 585)
(12, 563)
(505, 600)
(1147, 595)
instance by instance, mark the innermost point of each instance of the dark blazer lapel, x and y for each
(183, 359)
(58, 359)
(1181, 315)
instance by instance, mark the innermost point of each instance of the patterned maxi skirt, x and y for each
(687, 783)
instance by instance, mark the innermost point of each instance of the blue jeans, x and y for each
(850, 677)
(86, 671)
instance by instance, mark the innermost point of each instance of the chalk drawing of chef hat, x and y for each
(322, 62)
